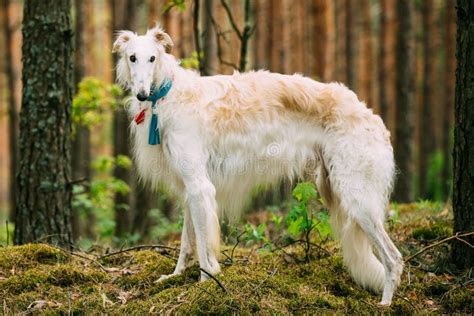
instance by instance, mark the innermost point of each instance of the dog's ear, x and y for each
(161, 37)
(122, 38)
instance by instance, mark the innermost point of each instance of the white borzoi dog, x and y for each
(221, 136)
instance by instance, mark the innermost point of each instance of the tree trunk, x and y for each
(405, 72)
(427, 134)
(276, 47)
(12, 107)
(144, 203)
(341, 45)
(81, 147)
(386, 75)
(463, 198)
(366, 57)
(210, 60)
(449, 80)
(262, 42)
(351, 15)
(123, 18)
(186, 27)
(154, 12)
(323, 40)
(297, 24)
(44, 205)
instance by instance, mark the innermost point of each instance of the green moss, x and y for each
(256, 283)
(60, 275)
(460, 300)
(13, 259)
(436, 289)
(438, 230)
(151, 266)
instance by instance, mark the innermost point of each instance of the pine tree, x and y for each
(463, 198)
(44, 190)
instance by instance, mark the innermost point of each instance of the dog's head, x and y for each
(141, 59)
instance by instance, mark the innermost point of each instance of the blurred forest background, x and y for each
(399, 59)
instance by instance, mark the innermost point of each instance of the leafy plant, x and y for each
(429, 205)
(434, 174)
(255, 234)
(393, 215)
(306, 217)
(180, 4)
(191, 62)
(97, 199)
(93, 101)
(302, 220)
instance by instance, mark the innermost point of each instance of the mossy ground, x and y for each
(42, 279)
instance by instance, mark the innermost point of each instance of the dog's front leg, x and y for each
(201, 199)
(186, 248)
(189, 160)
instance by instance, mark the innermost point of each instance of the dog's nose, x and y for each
(142, 96)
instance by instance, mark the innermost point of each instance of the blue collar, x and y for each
(155, 95)
(161, 92)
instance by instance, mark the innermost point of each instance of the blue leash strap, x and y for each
(157, 94)
(154, 135)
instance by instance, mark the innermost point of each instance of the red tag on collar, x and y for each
(140, 117)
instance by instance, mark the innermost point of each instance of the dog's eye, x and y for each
(133, 58)
(152, 59)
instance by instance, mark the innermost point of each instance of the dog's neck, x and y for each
(171, 69)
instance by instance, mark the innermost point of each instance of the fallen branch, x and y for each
(141, 247)
(215, 279)
(457, 236)
(235, 246)
(459, 286)
(264, 280)
(408, 301)
(72, 253)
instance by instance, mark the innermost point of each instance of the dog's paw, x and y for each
(383, 304)
(164, 277)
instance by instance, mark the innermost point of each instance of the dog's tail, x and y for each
(358, 257)
(357, 253)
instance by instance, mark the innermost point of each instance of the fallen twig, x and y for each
(82, 257)
(235, 246)
(215, 279)
(264, 280)
(141, 247)
(457, 287)
(408, 301)
(457, 236)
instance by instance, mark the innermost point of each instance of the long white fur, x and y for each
(224, 135)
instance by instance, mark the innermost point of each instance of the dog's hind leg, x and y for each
(360, 183)
(359, 223)
(387, 251)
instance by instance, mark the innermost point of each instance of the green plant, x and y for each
(434, 176)
(191, 62)
(306, 221)
(429, 205)
(393, 215)
(98, 197)
(180, 4)
(256, 234)
(302, 219)
(93, 101)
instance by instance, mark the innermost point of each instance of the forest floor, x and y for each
(41, 279)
